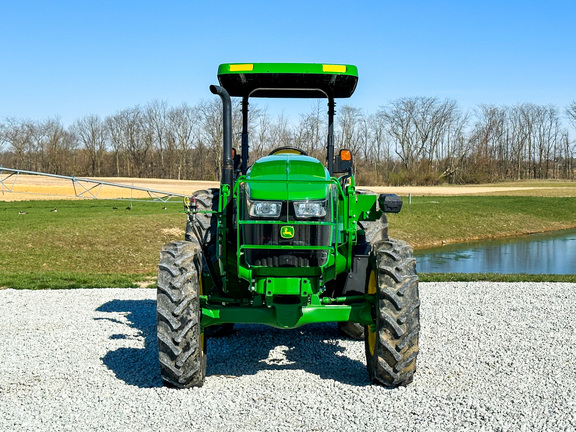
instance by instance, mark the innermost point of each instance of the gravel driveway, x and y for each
(494, 356)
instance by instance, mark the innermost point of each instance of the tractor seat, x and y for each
(288, 150)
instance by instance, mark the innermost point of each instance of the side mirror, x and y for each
(343, 162)
(390, 203)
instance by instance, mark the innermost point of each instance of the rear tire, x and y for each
(206, 200)
(351, 330)
(181, 344)
(392, 349)
(374, 231)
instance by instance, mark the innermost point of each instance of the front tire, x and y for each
(181, 344)
(391, 349)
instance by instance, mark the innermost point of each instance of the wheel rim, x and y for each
(371, 335)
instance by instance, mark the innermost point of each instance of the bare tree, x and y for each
(378, 149)
(488, 142)
(92, 134)
(568, 157)
(534, 135)
(547, 136)
(138, 139)
(155, 115)
(419, 126)
(210, 136)
(571, 113)
(60, 148)
(309, 134)
(130, 138)
(260, 137)
(411, 140)
(17, 133)
(455, 150)
(3, 139)
(114, 124)
(350, 131)
(183, 125)
(399, 119)
(348, 135)
(280, 133)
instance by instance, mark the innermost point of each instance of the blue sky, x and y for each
(68, 59)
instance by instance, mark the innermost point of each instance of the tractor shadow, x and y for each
(315, 348)
(135, 366)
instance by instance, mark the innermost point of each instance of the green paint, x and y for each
(288, 176)
(285, 68)
(286, 318)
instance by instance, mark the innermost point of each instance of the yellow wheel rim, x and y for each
(372, 334)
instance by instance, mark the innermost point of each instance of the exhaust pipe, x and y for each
(227, 162)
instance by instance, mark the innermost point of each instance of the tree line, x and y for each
(418, 140)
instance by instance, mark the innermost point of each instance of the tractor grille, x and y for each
(304, 235)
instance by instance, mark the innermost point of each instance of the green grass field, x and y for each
(88, 244)
(84, 243)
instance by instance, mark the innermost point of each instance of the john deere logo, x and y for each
(287, 232)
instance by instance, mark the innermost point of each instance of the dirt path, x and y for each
(477, 190)
(29, 187)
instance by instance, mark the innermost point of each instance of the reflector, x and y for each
(241, 67)
(334, 68)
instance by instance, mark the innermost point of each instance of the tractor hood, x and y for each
(288, 177)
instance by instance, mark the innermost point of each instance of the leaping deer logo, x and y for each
(287, 232)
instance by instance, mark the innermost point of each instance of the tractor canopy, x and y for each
(280, 80)
(288, 80)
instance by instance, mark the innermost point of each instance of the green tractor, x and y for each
(287, 241)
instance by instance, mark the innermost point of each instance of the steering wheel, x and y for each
(288, 150)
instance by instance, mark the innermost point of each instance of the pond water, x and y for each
(549, 253)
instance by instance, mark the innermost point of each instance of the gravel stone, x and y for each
(493, 357)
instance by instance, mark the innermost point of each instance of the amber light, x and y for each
(345, 155)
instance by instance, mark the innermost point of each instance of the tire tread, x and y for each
(180, 350)
(397, 314)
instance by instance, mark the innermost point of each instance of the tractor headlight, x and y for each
(264, 209)
(310, 209)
